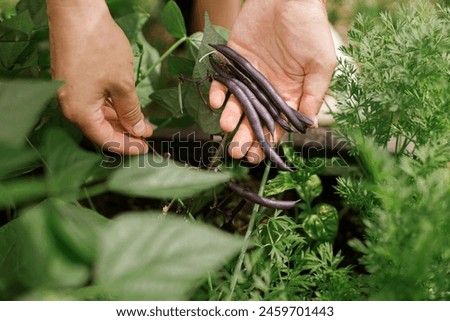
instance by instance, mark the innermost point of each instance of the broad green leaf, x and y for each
(16, 161)
(10, 260)
(195, 41)
(168, 99)
(195, 107)
(148, 257)
(18, 191)
(207, 119)
(16, 28)
(15, 35)
(77, 229)
(144, 57)
(180, 66)
(67, 165)
(153, 176)
(21, 103)
(132, 24)
(322, 225)
(10, 52)
(282, 182)
(210, 36)
(144, 89)
(32, 257)
(173, 20)
(37, 10)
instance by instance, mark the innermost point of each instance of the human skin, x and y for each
(221, 13)
(93, 56)
(91, 53)
(290, 42)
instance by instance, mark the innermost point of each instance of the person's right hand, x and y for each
(91, 53)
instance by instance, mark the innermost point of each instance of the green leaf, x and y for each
(146, 257)
(195, 41)
(153, 176)
(15, 34)
(309, 187)
(144, 89)
(132, 24)
(204, 117)
(167, 98)
(173, 20)
(210, 36)
(10, 260)
(16, 28)
(322, 225)
(21, 103)
(16, 161)
(180, 66)
(18, 191)
(10, 52)
(78, 230)
(32, 257)
(37, 10)
(67, 165)
(282, 182)
(144, 54)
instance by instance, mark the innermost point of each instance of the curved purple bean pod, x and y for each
(263, 114)
(264, 201)
(261, 97)
(298, 121)
(235, 87)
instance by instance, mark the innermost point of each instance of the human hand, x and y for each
(91, 53)
(290, 42)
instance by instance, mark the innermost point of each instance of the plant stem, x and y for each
(138, 70)
(219, 152)
(163, 57)
(251, 225)
(93, 191)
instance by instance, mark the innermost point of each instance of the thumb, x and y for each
(314, 89)
(128, 109)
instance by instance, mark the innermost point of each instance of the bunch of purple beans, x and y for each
(263, 107)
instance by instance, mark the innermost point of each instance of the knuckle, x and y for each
(125, 85)
(69, 112)
(131, 115)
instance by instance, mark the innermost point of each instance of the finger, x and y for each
(110, 114)
(128, 109)
(125, 145)
(255, 154)
(217, 94)
(242, 140)
(231, 115)
(111, 135)
(315, 87)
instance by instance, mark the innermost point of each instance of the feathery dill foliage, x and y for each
(284, 265)
(400, 92)
(400, 89)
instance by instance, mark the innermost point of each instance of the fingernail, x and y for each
(139, 129)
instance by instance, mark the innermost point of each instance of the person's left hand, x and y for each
(290, 42)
